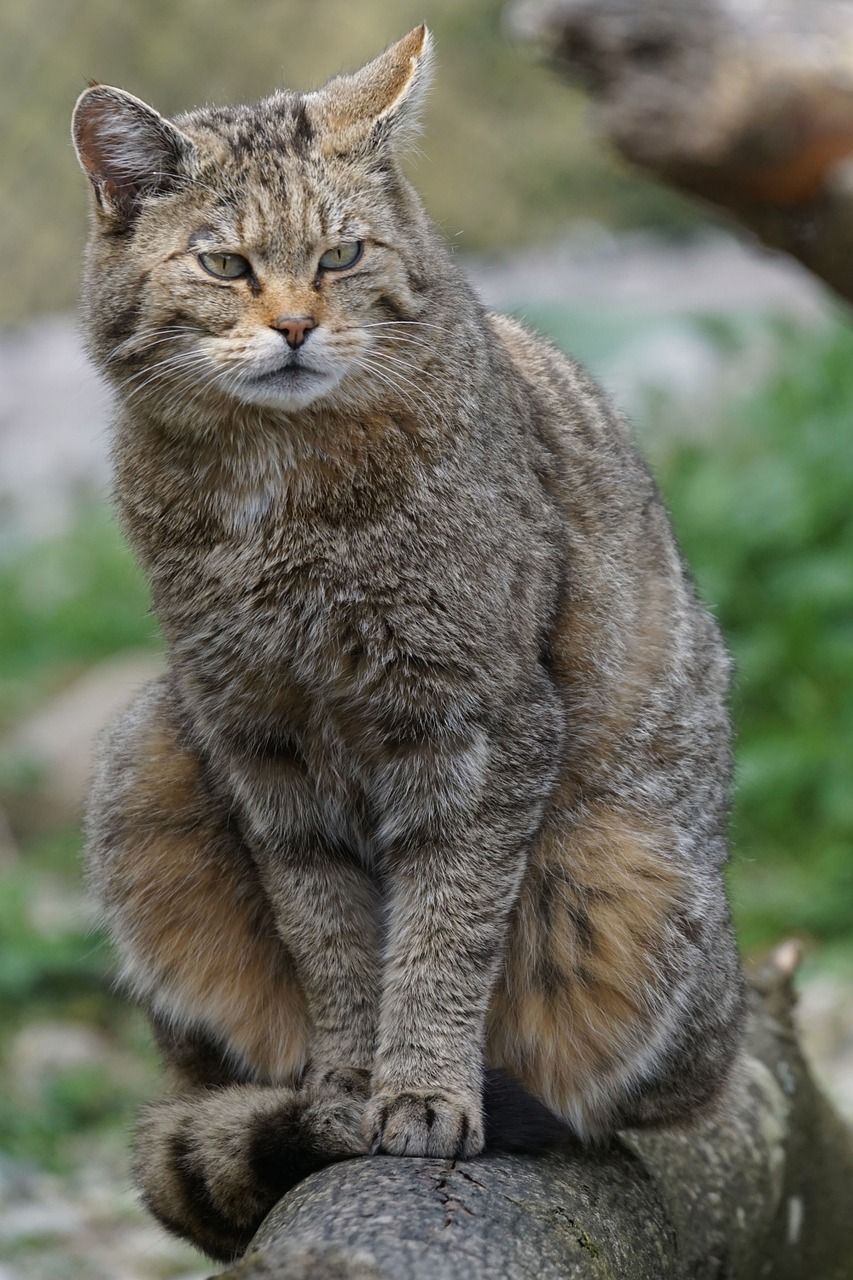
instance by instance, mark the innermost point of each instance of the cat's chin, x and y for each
(289, 389)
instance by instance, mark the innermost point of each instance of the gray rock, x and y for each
(58, 742)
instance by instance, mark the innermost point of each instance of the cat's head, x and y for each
(266, 255)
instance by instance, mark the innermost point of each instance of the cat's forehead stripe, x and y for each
(273, 187)
(280, 124)
(272, 209)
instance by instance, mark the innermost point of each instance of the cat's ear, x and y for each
(127, 150)
(382, 101)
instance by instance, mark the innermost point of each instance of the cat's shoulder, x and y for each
(571, 407)
(541, 364)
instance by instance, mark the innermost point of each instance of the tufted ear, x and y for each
(127, 150)
(382, 101)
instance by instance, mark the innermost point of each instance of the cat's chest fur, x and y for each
(261, 612)
(321, 648)
(367, 626)
(318, 660)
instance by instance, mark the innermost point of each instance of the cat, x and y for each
(436, 785)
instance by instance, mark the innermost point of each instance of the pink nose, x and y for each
(294, 329)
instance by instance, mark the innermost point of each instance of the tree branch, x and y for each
(747, 106)
(760, 1189)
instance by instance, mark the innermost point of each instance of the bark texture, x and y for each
(744, 103)
(761, 1189)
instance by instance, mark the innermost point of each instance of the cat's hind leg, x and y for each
(620, 1002)
(194, 930)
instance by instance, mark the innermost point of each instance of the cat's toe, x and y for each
(425, 1123)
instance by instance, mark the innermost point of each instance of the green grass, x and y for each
(56, 973)
(67, 604)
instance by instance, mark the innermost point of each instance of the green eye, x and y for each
(343, 255)
(226, 266)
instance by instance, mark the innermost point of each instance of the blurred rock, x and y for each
(16, 1180)
(45, 1049)
(675, 375)
(89, 1228)
(54, 413)
(717, 273)
(23, 1220)
(59, 740)
(825, 1017)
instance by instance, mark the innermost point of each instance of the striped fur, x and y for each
(438, 778)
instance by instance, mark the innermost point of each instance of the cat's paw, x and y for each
(337, 1082)
(425, 1123)
(335, 1126)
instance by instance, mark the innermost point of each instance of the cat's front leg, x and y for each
(454, 870)
(327, 911)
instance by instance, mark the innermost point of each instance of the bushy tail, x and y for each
(211, 1165)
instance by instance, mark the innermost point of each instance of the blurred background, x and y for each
(735, 366)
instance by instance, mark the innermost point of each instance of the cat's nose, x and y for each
(294, 329)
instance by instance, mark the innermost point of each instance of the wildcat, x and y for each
(437, 780)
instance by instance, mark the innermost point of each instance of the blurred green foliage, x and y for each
(54, 976)
(65, 605)
(764, 510)
(503, 157)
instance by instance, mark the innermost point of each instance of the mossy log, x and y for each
(764, 1188)
(745, 105)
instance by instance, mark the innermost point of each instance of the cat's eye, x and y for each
(343, 255)
(225, 266)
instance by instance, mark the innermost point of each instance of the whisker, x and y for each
(183, 383)
(398, 378)
(382, 354)
(405, 340)
(141, 351)
(192, 363)
(181, 354)
(390, 380)
(403, 324)
(131, 345)
(175, 361)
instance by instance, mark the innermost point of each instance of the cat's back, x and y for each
(572, 411)
(597, 476)
(632, 642)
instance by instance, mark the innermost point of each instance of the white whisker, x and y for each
(392, 380)
(403, 324)
(187, 364)
(398, 378)
(132, 343)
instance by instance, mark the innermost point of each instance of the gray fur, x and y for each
(442, 701)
